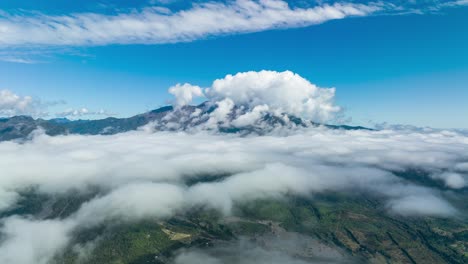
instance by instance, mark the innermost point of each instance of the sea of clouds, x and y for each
(144, 174)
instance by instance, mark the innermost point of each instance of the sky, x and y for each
(400, 62)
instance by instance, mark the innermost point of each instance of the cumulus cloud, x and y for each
(220, 114)
(184, 94)
(12, 104)
(282, 92)
(250, 118)
(160, 25)
(245, 98)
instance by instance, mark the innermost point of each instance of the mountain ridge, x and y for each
(165, 118)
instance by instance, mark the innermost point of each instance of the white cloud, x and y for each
(245, 98)
(297, 162)
(12, 104)
(220, 114)
(18, 60)
(184, 94)
(32, 30)
(143, 175)
(29, 241)
(462, 167)
(454, 3)
(80, 112)
(452, 180)
(132, 202)
(152, 25)
(250, 118)
(421, 205)
(282, 92)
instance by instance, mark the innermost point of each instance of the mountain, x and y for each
(165, 119)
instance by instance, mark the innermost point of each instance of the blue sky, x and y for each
(397, 63)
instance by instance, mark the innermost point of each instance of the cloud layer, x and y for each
(143, 174)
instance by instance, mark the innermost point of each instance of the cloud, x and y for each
(29, 36)
(143, 175)
(82, 112)
(12, 104)
(220, 114)
(452, 180)
(184, 94)
(454, 3)
(350, 159)
(250, 118)
(132, 202)
(421, 205)
(151, 25)
(245, 98)
(29, 241)
(18, 60)
(282, 92)
(275, 250)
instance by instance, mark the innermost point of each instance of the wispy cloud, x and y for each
(153, 25)
(26, 36)
(82, 112)
(18, 60)
(456, 3)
